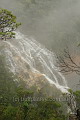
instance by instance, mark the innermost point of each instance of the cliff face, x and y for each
(73, 117)
(32, 63)
(39, 82)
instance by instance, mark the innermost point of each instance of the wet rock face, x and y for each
(78, 113)
(73, 117)
(32, 62)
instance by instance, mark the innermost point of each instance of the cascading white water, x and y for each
(22, 51)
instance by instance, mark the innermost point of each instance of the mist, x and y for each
(54, 23)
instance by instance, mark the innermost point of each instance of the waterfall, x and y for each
(23, 51)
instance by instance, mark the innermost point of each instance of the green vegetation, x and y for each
(13, 107)
(7, 85)
(16, 101)
(8, 24)
(77, 96)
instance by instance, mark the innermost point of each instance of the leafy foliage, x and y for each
(8, 24)
(77, 96)
(26, 109)
(7, 85)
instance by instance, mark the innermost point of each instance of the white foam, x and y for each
(23, 51)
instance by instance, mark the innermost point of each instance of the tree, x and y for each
(8, 24)
(77, 97)
(67, 64)
(7, 84)
(10, 113)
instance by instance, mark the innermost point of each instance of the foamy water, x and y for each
(25, 51)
